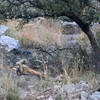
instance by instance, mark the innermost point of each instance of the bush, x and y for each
(12, 95)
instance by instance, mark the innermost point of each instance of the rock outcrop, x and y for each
(7, 42)
(3, 29)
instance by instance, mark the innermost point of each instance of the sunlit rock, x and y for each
(95, 96)
(3, 29)
(9, 43)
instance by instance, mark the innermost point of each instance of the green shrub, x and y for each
(12, 96)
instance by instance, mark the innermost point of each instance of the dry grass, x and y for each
(10, 87)
(42, 32)
(13, 24)
(8, 84)
(83, 39)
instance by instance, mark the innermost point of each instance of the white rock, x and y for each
(68, 23)
(3, 29)
(50, 98)
(9, 43)
(69, 88)
(95, 96)
(84, 95)
(83, 85)
(78, 89)
(79, 86)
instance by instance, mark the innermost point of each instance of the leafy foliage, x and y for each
(84, 9)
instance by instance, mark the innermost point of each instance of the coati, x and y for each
(22, 69)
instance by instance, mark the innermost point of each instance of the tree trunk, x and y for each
(92, 39)
(85, 28)
(96, 50)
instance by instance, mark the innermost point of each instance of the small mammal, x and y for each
(22, 69)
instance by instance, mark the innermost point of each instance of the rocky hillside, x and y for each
(58, 54)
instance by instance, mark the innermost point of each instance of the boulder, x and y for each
(84, 95)
(3, 29)
(76, 90)
(70, 28)
(9, 43)
(94, 96)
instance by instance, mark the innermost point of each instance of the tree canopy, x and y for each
(86, 10)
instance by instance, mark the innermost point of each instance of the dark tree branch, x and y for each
(85, 28)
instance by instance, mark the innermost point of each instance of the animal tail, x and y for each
(36, 73)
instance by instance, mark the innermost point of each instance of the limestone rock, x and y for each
(9, 43)
(95, 96)
(3, 29)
